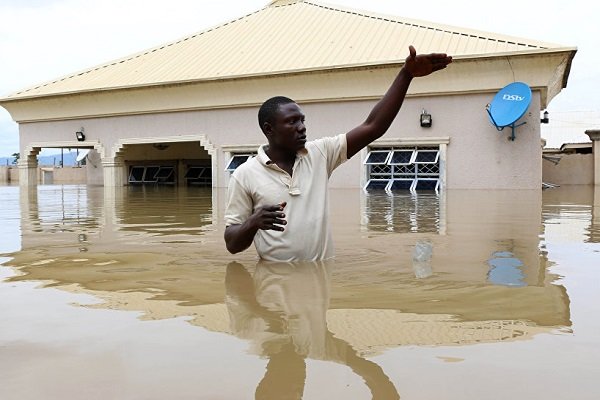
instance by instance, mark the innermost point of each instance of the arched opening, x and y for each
(166, 161)
(56, 162)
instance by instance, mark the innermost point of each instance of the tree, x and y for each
(16, 156)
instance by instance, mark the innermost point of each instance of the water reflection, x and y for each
(162, 211)
(164, 243)
(486, 276)
(402, 212)
(505, 269)
(281, 309)
(580, 206)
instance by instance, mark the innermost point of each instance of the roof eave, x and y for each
(386, 64)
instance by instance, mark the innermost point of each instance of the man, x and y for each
(278, 199)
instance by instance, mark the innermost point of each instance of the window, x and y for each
(237, 160)
(376, 157)
(402, 157)
(144, 174)
(414, 168)
(198, 175)
(377, 184)
(136, 174)
(426, 156)
(165, 175)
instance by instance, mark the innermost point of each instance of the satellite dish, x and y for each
(509, 105)
(82, 155)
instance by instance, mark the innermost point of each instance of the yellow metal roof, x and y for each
(283, 37)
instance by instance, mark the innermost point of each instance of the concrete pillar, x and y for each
(594, 134)
(595, 227)
(180, 173)
(114, 172)
(28, 171)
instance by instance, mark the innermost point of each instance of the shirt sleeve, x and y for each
(239, 203)
(335, 151)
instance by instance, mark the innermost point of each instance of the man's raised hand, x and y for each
(425, 64)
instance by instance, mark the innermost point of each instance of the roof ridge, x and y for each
(281, 3)
(424, 24)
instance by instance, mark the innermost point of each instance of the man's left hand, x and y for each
(425, 64)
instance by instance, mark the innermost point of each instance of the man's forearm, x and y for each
(384, 112)
(381, 116)
(239, 237)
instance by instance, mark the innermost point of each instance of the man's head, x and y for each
(282, 122)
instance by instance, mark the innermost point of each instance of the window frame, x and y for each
(248, 156)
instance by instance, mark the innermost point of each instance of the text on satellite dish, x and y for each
(513, 97)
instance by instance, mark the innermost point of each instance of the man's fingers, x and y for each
(276, 207)
(276, 226)
(279, 221)
(275, 215)
(271, 218)
(413, 52)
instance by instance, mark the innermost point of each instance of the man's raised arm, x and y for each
(384, 112)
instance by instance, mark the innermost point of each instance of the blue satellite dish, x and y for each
(509, 105)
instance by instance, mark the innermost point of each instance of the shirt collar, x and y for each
(266, 160)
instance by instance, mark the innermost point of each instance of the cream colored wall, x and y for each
(573, 169)
(70, 175)
(59, 175)
(478, 156)
(481, 157)
(5, 174)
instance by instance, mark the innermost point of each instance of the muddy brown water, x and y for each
(130, 294)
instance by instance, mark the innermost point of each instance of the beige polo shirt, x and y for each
(260, 182)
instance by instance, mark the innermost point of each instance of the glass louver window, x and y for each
(412, 168)
(236, 160)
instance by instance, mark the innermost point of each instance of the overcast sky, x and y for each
(45, 39)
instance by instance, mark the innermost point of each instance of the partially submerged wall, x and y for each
(47, 175)
(9, 174)
(572, 169)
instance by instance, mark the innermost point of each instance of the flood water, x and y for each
(130, 294)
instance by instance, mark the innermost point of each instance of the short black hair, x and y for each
(270, 107)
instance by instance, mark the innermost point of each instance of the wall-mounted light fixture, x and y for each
(160, 146)
(79, 135)
(546, 119)
(426, 119)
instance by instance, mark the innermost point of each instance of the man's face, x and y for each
(287, 131)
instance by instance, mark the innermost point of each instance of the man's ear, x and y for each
(267, 129)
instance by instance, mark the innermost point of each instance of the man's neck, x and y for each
(284, 159)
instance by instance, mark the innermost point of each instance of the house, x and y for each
(185, 112)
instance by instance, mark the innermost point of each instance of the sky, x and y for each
(45, 39)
